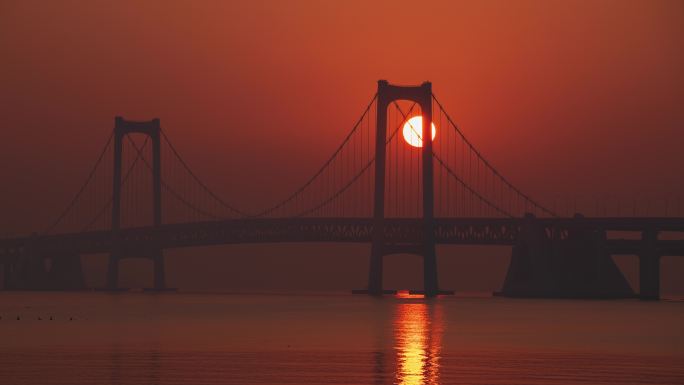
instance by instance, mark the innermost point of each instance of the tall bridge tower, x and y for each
(122, 128)
(422, 96)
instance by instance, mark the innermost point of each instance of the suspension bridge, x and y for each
(375, 188)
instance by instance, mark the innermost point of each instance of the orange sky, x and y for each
(567, 99)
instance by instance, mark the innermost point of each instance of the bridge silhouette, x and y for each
(375, 188)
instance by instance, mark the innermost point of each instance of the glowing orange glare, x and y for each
(413, 131)
(418, 329)
(407, 294)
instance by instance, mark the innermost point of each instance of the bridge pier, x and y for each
(159, 270)
(66, 273)
(156, 255)
(375, 275)
(587, 270)
(5, 274)
(649, 277)
(28, 272)
(430, 283)
(12, 277)
(530, 271)
(649, 267)
(113, 271)
(375, 271)
(570, 262)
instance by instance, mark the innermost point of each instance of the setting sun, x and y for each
(413, 131)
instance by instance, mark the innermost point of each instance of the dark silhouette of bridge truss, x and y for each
(374, 189)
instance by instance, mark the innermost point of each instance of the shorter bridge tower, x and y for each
(152, 129)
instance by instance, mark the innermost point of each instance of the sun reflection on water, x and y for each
(418, 329)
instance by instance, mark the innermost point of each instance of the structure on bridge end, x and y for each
(38, 269)
(570, 262)
(152, 129)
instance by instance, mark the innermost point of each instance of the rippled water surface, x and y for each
(184, 338)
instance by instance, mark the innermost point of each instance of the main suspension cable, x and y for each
(83, 186)
(488, 164)
(323, 167)
(196, 178)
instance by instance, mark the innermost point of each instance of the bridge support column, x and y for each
(377, 248)
(28, 270)
(375, 271)
(113, 271)
(159, 270)
(156, 255)
(5, 275)
(66, 273)
(10, 276)
(17, 275)
(649, 277)
(430, 282)
(31, 274)
(530, 272)
(649, 267)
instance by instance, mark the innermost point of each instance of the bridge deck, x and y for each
(465, 231)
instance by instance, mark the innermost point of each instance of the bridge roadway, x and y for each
(398, 231)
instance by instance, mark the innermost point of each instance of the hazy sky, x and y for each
(566, 98)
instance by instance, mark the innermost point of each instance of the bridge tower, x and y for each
(649, 266)
(421, 95)
(152, 129)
